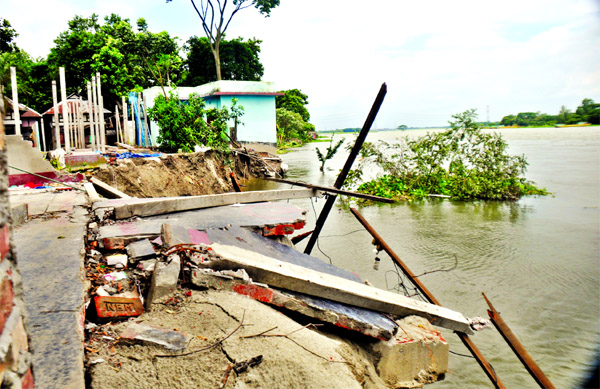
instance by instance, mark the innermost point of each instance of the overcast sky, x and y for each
(438, 57)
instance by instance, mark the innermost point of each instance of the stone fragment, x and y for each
(175, 234)
(417, 355)
(140, 250)
(171, 340)
(164, 279)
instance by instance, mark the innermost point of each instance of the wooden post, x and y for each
(96, 117)
(56, 124)
(43, 134)
(101, 114)
(91, 86)
(125, 120)
(145, 107)
(15, 98)
(141, 138)
(81, 124)
(117, 121)
(517, 347)
(485, 365)
(134, 124)
(339, 182)
(65, 109)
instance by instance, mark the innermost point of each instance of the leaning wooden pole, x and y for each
(339, 182)
(517, 347)
(485, 365)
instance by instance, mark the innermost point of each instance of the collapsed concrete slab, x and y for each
(164, 280)
(303, 280)
(417, 355)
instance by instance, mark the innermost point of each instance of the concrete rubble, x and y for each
(167, 293)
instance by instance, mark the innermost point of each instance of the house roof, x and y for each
(27, 112)
(246, 94)
(72, 104)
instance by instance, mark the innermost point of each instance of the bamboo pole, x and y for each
(517, 347)
(56, 124)
(145, 106)
(15, 98)
(117, 123)
(65, 110)
(134, 122)
(485, 365)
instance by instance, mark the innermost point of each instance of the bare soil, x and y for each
(305, 358)
(182, 174)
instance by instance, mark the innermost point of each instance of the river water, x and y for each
(536, 259)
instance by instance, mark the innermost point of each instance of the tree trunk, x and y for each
(217, 61)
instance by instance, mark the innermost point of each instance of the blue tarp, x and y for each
(137, 155)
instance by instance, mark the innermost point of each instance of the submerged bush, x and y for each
(463, 162)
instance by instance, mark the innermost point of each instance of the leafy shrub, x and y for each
(185, 124)
(463, 162)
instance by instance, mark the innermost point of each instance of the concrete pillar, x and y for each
(65, 109)
(56, 124)
(15, 98)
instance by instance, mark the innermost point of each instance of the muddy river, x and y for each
(536, 259)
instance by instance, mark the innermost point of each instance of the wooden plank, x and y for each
(300, 279)
(105, 188)
(91, 191)
(163, 205)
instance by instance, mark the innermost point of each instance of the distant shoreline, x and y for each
(352, 131)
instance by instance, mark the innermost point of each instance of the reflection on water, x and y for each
(536, 259)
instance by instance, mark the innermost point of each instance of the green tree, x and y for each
(329, 152)
(589, 111)
(294, 100)
(216, 17)
(7, 36)
(239, 60)
(184, 125)
(126, 60)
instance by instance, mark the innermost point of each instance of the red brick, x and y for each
(2, 369)
(7, 296)
(27, 380)
(255, 292)
(4, 242)
(108, 306)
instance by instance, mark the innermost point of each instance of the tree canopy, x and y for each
(294, 100)
(216, 17)
(239, 60)
(588, 112)
(7, 36)
(125, 59)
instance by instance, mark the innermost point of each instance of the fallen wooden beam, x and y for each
(107, 190)
(517, 347)
(334, 190)
(300, 279)
(163, 205)
(125, 146)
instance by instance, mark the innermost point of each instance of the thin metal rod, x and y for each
(339, 182)
(517, 347)
(334, 190)
(485, 365)
(46, 178)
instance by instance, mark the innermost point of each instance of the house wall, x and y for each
(259, 129)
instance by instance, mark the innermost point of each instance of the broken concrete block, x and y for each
(140, 250)
(417, 355)
(147, 265)
(117, 260)
(175, 234)
(171, 340)
(164, 279)
(18, 214)
(109, 306)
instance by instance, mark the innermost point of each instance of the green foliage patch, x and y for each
(185, 124)
(463, 163)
